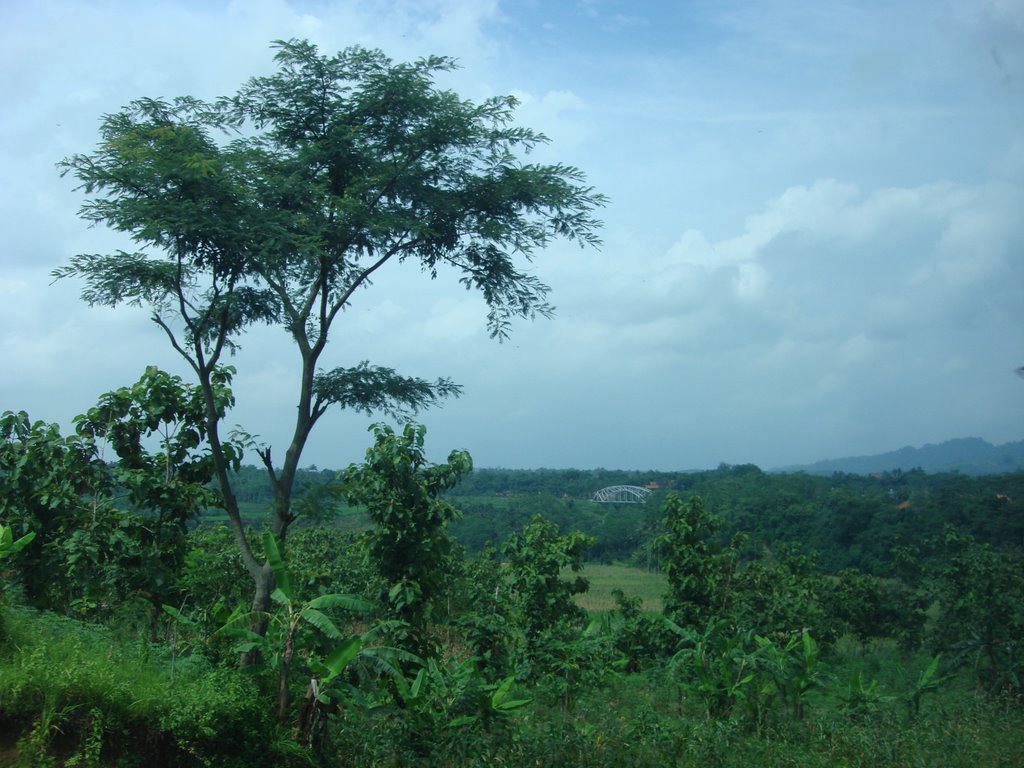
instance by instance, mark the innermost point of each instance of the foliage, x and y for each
(782, 599)
(718, 667)
(45, 479)
(116, 700)
(537, 556)
(402, 493)
(487, 624)
(640, 640)
(11, 546)
(108, 532)
(873, 608)
(980, 595)
(862, 699)
(171, 483)
(328, 558)
(454, 696)
(928, 682)
(698, 578)
(553, 654)
(796, 670)
(851, 521)
(291, 616)
(339, 166)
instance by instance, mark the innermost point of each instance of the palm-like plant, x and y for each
(293, 614)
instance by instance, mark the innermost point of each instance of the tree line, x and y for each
(848, 520)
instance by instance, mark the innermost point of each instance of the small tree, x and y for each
(556, 654)
(980, 597)
(347, 163)
(112, 530)
(699, 579)
(537, 556)
(45, 479)
(402, 493)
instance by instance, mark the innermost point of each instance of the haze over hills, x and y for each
(969, 455)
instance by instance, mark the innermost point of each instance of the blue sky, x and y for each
(814, 244)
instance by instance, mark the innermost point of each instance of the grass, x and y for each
(648, 586)
(75, 691)
(68, 688)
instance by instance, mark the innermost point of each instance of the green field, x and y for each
(647, 585)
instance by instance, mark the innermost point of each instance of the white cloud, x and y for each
(751, 281)
(812, 214)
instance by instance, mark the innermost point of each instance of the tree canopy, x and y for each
(278, 204)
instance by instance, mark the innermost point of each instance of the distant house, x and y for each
(652, 486)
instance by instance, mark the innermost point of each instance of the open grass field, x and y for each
(647, 585)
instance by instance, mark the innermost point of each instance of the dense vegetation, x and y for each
(848, 520)
(393, 645)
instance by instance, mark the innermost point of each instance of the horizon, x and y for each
(792, 468)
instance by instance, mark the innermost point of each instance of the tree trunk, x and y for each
(264, 585)
(305, 722)
(282, 680)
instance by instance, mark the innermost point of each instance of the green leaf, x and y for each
(502, 691)
(178, 616)
(282, 578)
(322, 622)
(513, 704)
(500, 701)
(418, 683)
(340, 657)
(348, 602)
(927, 681)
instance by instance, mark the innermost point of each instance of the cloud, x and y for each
(829, 297)
(813, 245)
(560, 115)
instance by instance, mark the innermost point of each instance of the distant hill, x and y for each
(969, 455)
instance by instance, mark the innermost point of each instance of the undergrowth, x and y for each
(76, 692)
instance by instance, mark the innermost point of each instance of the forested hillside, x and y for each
(969, 455)
(847, 520)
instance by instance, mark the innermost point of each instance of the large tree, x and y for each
(278, 204)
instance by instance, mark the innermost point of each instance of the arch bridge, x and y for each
(622, 494)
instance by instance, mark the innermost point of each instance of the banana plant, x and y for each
(8, 544)
(291, 615)
(719, 666)
(439, 691)
(862, 699)
(795, 670)
(927, 682)
(11, 546)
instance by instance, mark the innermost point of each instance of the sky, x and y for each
(813, 246)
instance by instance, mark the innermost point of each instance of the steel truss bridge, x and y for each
(622, 494)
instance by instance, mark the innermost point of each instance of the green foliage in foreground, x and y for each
(763, 661)
(74, 690)
(78, 690)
